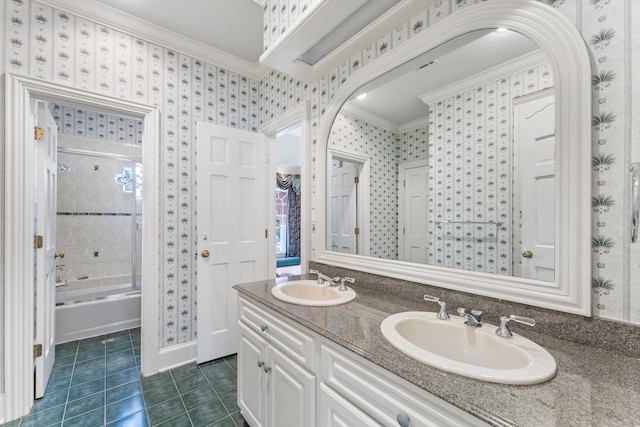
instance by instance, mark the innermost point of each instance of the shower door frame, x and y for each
(20, 93)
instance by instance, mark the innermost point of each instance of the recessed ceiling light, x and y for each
(502, 30)
(362, 96)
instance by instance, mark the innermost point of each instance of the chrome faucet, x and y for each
(442, 314)
(503, 330)
(343, 287)
(333, 281)
(472, 317)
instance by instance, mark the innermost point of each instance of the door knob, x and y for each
(59, 255)
(527, 254)
(205, 254)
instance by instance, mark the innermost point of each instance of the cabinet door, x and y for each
(291, 392)
(251, 378)
(336, 411)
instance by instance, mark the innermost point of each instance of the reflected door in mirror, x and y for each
(534, 119)
(344, 201)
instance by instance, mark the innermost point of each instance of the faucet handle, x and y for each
(503, 330)
(442, 313)
(343, 287)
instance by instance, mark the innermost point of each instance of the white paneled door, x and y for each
(343, 206)
(413, 215)
(534, 118)
(232, 191)
(45, 245)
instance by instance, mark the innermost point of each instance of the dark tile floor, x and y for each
(96, 382)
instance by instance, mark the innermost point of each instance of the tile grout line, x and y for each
(216, 392)
(181, 399)
(66, 402)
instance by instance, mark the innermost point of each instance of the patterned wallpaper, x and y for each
(471, 173)
(43, 42)
(606, 27)
(356, 136)
(280, 15)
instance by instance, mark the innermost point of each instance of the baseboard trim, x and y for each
(177, 355)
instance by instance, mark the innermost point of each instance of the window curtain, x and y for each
(291, 184)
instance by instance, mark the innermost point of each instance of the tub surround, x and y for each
(598, 379)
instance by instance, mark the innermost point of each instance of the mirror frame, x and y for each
(569, 59)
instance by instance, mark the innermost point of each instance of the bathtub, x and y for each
(84, 312)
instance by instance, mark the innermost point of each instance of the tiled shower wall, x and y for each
(96, 218)
(609, 30)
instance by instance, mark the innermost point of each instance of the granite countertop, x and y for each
(592, 387)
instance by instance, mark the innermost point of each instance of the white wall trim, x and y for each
(2, 418)
(569, 59)
(493, 74)
(113, 18)
(20, 92)
(364, 196)
(300, 114)
(177, 355)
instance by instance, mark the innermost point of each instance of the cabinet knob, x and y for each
(404, 420)
(264, 327)
(527, 254)
(266, 369)
(260, 363)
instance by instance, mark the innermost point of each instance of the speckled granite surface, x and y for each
(593, 387)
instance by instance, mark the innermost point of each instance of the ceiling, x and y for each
(231, 26)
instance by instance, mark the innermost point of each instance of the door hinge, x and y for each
(266, 233)
(38, 242)
(356, 179)
(356, 231)
(39, 133)
(37, 351)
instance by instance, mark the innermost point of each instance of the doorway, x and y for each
(296, 120)
(287, 203)
(99, 223)
(21, 93)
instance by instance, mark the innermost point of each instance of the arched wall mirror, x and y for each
(476, 138)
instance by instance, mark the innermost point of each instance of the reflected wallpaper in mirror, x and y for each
(451, 181)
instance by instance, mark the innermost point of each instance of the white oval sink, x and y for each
(477, 353)
(309, 292)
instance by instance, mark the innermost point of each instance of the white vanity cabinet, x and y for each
(385, 398)
(290, 376)
(275, 387)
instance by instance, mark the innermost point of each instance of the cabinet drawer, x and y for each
(385, 397)
(291, 341)
(335, 410)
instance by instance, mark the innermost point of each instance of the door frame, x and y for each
(298, 115)
(20, 92)
(363, 201)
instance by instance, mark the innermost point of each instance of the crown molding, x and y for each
(361, 114)
(113, 18)
(482, 78)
